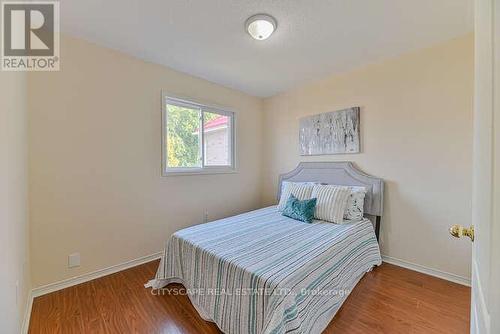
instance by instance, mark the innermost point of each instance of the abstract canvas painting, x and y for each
(335, 132)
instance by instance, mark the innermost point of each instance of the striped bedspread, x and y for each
(261, 272)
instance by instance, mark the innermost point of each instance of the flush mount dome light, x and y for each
(261, 26)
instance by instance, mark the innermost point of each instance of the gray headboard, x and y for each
(343, 173)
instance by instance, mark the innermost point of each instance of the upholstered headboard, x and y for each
(343, 173)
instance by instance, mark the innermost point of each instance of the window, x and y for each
(196, 138)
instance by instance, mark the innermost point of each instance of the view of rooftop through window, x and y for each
(187, 147)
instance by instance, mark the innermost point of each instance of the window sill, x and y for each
(199, 172)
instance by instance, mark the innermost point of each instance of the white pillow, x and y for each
(301, 190)
(355, 204)
(331, 202)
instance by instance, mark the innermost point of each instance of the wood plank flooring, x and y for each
(389, 299)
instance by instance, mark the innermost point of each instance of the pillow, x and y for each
(355, 204)
(331, 202)
(300, 210)
(285, 183)
(301, 190)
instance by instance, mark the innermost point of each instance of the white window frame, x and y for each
(172, 171)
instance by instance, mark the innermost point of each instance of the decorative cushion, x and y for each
(300, 210)
(355, 204)
(331, 202)
(301, 190)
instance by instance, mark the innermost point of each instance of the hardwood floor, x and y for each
(389, 299)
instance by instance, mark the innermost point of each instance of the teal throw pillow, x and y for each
(300, 210)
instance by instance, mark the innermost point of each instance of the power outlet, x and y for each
(74, 260)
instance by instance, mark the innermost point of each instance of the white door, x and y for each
(485, 308)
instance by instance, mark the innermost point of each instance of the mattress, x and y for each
(261, 272)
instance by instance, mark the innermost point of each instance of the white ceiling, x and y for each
(315, 38)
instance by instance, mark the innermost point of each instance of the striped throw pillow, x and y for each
(301, 190)
(331, 202)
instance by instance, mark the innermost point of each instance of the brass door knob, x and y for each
(459, 231)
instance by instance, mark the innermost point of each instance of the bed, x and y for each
(261, 272)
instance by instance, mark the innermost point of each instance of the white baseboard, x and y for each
(426, 270)
(45, 289)
(27, 313)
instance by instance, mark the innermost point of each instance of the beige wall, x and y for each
(14, 255)
(95, 166)
(416, 128)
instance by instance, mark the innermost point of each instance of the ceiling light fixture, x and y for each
(261, 26)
